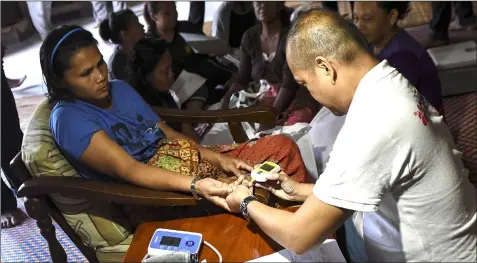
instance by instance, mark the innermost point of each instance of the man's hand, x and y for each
(232, 165)
(214, 191)
(239, 193)
(283, 187)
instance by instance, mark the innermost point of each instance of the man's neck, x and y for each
(378, 47)
(357, 72)
(271, 28)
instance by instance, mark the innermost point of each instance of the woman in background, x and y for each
(378, 23)
(231, 20)
(152, 77)
(262, 57)
(123, 29)
(161, 17)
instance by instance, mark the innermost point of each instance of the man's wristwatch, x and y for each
(192, 187)
(244, 204)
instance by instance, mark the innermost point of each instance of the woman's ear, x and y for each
(393, 17)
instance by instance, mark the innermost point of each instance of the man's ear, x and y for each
(324, 68)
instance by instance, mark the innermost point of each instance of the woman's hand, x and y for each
(235, 198)
(282, 186)
(224, 102)
(214, 191)
(232, 165)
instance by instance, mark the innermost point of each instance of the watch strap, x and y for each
(192, 187)
(244, 204)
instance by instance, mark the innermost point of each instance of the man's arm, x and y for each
(312, 223)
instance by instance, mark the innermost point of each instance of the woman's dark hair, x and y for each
(145, 55)
(55, 53)
(110, 28)
(150, 8)
(402, 7)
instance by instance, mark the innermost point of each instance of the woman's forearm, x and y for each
(284, 99)
(157, 178)
(189, 131)
(236, 87)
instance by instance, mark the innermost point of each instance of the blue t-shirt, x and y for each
(130, 122)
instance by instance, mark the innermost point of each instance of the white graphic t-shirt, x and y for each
(395, 163)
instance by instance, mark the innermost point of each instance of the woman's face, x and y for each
(374, 22)
(166, 18)
(266, 11)
(162, 76)
(87, 75)
(134, 32)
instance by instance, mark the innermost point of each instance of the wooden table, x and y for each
(235, 238)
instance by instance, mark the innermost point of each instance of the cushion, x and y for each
(100, 225)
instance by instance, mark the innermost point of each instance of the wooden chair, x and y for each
(40, 207)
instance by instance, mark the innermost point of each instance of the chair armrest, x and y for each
(96, 190)
(255, 114)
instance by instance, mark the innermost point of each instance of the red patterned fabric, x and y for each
(302, 109)
(461, 118)
(278, 149)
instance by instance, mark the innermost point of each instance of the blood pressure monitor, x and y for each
(167, 241)
(260, 171)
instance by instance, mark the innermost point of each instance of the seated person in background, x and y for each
(262, 57)
(307, 6)
(123, 29)
(161, 18)
(152, 77)
(231, 20)
(397, 175)
(107, 131)
(378, 22)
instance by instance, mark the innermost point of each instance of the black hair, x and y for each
(319, 32)
(401, 6)
(145, 55)
(111, 27)
(151, 8)
(53, 68)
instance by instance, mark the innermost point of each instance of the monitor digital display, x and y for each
(266, 167)
(170, 241)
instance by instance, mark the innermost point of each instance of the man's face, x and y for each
(319, 82)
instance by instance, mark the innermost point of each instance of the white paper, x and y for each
(326, 252)
(185, 85)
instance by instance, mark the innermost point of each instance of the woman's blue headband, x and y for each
(61, 40)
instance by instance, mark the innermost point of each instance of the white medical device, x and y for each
(169, 245)
(261, 171)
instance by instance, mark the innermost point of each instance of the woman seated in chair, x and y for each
(107, 131)
(161, 17)
(378, 23)
(263, 58)
(152, 77)
(123, 29)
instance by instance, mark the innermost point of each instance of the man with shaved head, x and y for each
(394, 168)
